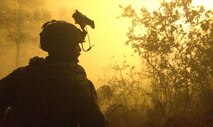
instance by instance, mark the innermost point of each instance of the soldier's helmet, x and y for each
(57, 36)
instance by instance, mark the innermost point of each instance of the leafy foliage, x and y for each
(175, 43)
(177, 46)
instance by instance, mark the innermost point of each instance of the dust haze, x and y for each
(161, 78)
(21, 22)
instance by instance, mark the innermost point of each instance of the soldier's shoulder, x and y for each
(15, 74)
(23, 70)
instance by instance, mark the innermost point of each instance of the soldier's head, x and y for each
(61, 40)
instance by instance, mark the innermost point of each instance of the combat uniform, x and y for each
(49, 94)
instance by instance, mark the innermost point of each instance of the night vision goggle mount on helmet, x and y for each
(83, 21)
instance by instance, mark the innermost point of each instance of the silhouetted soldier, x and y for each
(51, 92)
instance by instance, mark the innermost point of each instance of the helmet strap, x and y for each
(88, 41)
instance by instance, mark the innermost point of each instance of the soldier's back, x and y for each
(47, 94)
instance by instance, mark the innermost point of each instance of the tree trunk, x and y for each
(17, 55)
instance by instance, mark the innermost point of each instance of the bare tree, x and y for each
(19, 20)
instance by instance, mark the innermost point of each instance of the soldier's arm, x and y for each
(7, 90)
(4, 96)
(91, 115)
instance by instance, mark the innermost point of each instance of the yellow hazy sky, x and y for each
(109, 35)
